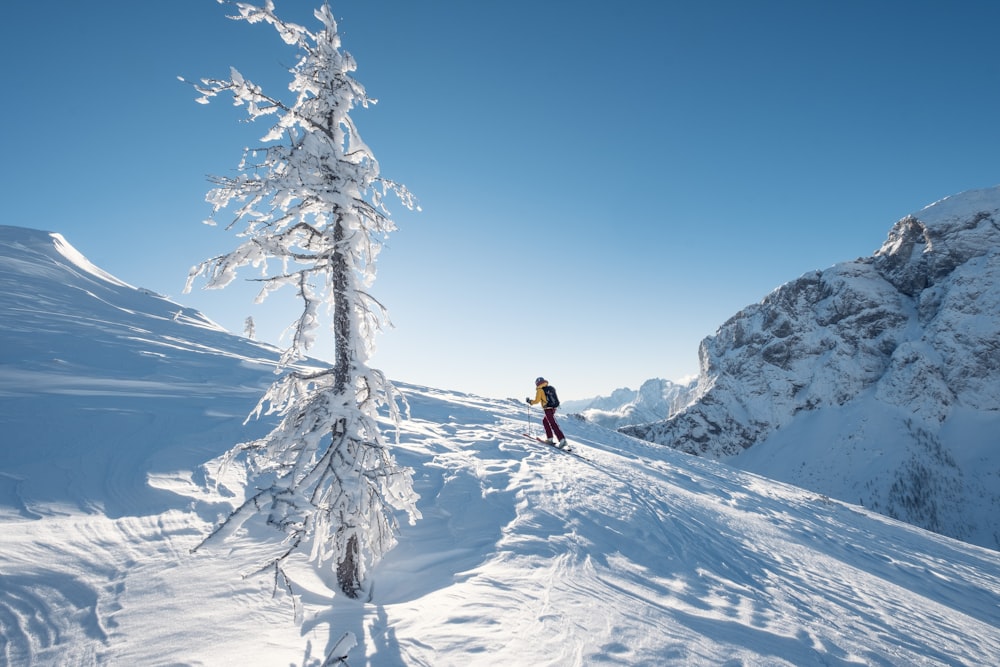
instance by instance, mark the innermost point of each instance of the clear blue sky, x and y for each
(667, 162)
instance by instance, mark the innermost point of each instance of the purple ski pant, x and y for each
(551, 427)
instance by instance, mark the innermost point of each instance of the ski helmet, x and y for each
(539, 380)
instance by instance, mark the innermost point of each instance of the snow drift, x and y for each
(114, 398)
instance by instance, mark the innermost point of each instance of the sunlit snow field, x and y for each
(113, 399)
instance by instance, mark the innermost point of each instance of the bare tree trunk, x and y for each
(342, 333)
(348, 568)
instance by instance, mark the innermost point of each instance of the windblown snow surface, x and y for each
(113, 399)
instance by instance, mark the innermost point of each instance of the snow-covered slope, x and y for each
(98, 375)
(655, 400)
(633, 555)
(874, 381)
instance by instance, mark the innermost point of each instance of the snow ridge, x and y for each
(888, 363)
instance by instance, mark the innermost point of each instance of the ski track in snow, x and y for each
(740, 570)
(524, 555)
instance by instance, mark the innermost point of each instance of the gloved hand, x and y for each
(528, 401)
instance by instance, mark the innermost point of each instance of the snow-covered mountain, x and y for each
(114, 398)
(654, 401)
(107, 375)
(874, 381)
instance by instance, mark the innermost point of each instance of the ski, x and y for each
(567, 450)
(545, 442)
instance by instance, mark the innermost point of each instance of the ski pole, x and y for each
(527, 420)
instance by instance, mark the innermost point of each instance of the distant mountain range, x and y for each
(655, 400)
(889, 364)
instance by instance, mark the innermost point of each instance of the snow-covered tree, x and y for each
(309, 210)
(249, 330)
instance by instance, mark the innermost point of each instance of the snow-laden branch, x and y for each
(309, 210)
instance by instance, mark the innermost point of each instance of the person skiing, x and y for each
(546, 396)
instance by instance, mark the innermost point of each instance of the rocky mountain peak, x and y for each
(909, 337)
(924, 247)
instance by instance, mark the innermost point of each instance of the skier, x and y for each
(546, 395)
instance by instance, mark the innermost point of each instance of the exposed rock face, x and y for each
(909, 336)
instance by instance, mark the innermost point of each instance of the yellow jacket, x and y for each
(540, 395)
